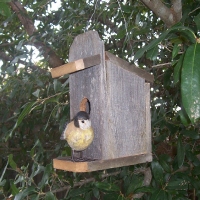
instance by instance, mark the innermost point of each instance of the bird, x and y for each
(78, 133)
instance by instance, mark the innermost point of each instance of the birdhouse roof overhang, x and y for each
(94, 60)
(129, 67)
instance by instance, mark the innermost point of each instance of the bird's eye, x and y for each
(82, 121)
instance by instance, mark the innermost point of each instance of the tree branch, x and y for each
(169, 16)
(48, 53)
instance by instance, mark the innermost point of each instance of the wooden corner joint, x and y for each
(76, 66)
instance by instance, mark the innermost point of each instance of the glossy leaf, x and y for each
(177, 28)
(197, 21)
(4, 9)
(157, 172)
(14, 189)
(45, 178)
(50, 196)
(152, 53)
(163, 162)
(180, 152)
(12, 162)
(190, 82)
(177, 185)
(177, 69)
(106, 186)
(23, 194)
(159, 194)
(175, 51)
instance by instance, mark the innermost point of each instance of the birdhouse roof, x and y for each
(129, 67)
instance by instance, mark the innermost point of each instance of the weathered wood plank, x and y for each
(148, 118)
(89, 83)
(126, 133)
(76, 66)
(131, 68)
(65, 164)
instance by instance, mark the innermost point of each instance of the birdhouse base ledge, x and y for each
(64, 163)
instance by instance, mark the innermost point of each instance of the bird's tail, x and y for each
(62, 137)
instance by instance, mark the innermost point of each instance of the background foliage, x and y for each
(34, 107)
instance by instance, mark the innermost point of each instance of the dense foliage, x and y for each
(34, 107)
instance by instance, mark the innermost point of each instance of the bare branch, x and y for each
(169, 16)
(162, 65)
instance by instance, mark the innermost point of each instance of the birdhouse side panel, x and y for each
(126, 135)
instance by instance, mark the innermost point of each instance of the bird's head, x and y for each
(82, 120)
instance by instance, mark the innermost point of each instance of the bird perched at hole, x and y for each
(78, 133)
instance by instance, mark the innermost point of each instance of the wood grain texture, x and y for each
(118, 98)
(148, 118)
(89, 83)
(77, 65)
(65, 164)
(126, 113)
(131, 68)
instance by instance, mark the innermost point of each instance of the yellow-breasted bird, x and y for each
(78, 133)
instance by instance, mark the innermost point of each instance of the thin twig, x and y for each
(83, 182)
(162, 65)
(194, 10)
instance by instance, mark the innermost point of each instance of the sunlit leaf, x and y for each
(4, 8)
(190, 82)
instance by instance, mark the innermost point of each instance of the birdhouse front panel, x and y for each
(89, 83)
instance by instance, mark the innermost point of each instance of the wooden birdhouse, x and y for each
(119, 97)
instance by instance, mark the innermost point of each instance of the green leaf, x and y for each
(5, 9)
(177, 185)
(152, 53)
(177, 69)
(75, 192)
(175, 51)
(121, 34)
(191, 134)
(145, 189)
(184, 117)
(25, 193)
(107, 186)
(163, 162)
(197, 21)
(177, 28)
(14, 189)
(3, 172)
(50, 196)
(45, 178)
(12, 162)
(5, 1)
(36, 93)
(190, 82)
(157, 172)
(26, 110)
(180, 152)
(159, 194)
(135, 183)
